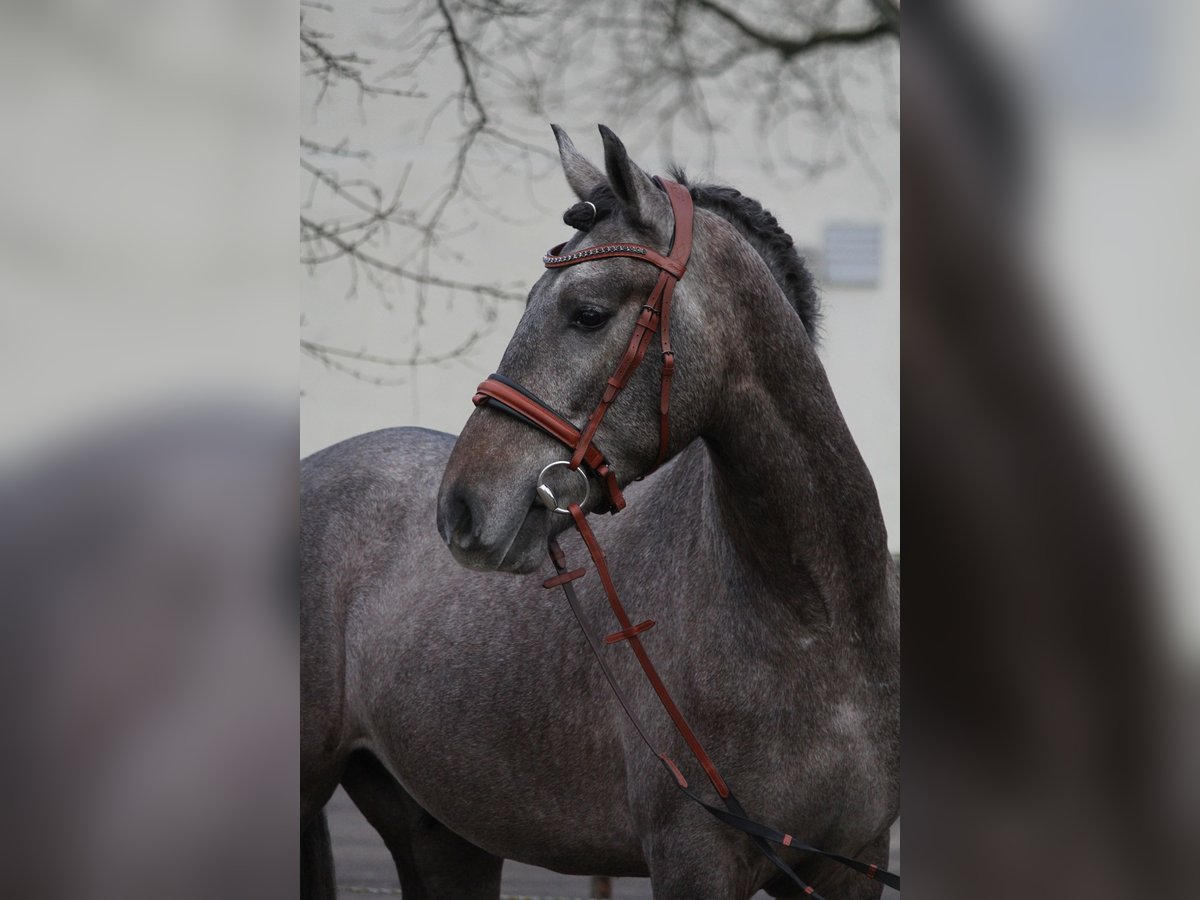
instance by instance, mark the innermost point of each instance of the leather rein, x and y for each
(510, 397)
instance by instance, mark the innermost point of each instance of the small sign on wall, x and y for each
(853, 254)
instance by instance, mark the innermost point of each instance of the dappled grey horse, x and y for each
(457, 701)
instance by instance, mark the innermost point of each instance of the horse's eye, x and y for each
(590, 319)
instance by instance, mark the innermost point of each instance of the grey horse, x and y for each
(457, 701)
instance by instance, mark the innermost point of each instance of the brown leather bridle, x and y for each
(655, 316)
(510, 397)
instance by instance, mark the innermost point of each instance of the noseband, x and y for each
(655, 315)
(510, 397)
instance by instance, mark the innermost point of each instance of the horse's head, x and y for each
(576, 326)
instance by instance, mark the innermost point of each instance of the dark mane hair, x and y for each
(760, 229)
(764, 233)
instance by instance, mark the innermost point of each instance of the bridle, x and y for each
(655, 316)
(510, 397)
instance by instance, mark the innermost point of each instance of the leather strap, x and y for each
(647, 323)
(733, 814)
(654, 317)
(515, 400)
(643, 658)
(655, 314)
(733, 807)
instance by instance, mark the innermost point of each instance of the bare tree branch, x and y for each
(454, 354)
(330, 67)
(354, 251)
(661, 69)
(331, 358)
(789, 48)
(342, 148)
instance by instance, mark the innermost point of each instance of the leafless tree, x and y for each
(656, 69)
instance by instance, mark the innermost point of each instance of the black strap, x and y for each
(734, 814)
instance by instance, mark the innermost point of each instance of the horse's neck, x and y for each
(795, 503)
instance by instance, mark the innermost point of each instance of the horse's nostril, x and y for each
(459, 520)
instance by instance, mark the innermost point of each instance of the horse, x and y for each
(455, 698)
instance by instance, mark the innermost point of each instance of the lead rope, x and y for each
(733, 814)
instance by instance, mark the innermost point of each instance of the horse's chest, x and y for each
(790, 725)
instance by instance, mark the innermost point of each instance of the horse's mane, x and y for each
(760, 229)
(764, 233)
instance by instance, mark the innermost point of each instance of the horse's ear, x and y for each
(641, 197)
(582, 176)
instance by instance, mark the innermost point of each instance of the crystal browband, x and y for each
(551, 259)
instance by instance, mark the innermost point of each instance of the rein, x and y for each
(510, 397)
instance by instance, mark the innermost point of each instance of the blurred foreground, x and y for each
(148, 644)
(148, 451)
(1053, 509)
